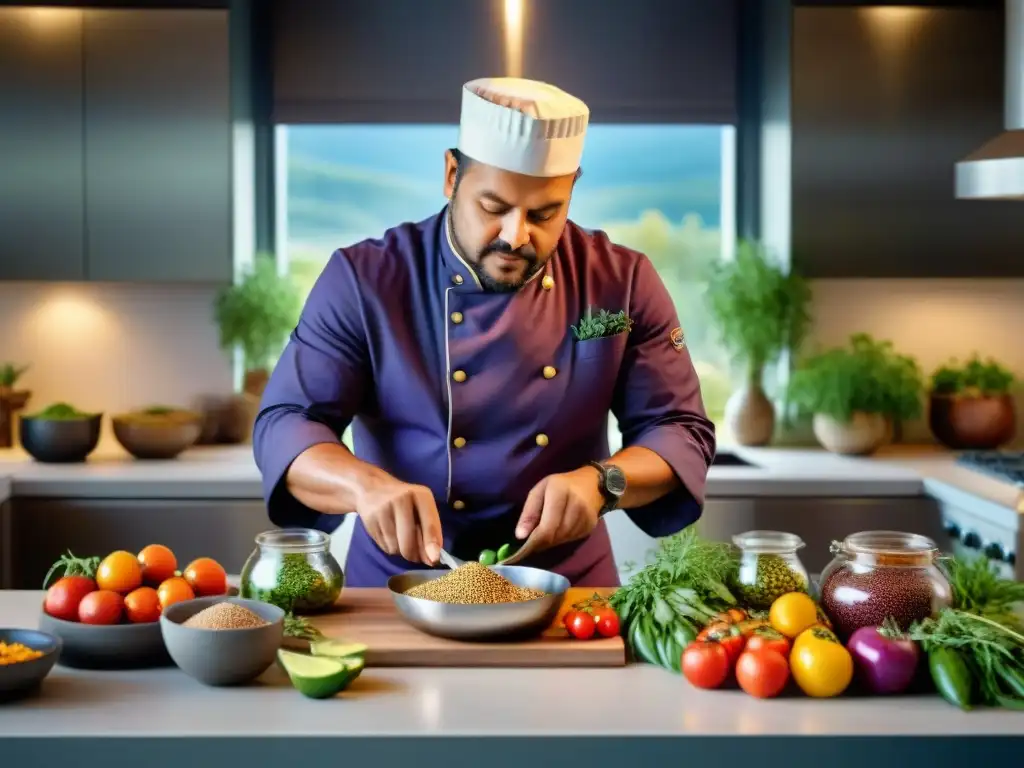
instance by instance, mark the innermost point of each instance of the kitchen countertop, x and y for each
(634, 701)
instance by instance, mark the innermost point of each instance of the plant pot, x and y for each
(750, 415)
(11, 401)
(972, 423)
(863, 434)
(255, 382)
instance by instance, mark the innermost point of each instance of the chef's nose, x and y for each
(515, 230)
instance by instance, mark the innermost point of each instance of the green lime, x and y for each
(337, 649)
(319, 677)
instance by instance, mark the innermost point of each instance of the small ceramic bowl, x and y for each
(155, 438)
(23, 677)
(60, 441)
(222, 656)
(118, 646)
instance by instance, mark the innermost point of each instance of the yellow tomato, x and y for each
(119, 572)
(819, 663)
(792, 613)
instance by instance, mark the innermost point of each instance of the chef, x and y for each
(477, 355)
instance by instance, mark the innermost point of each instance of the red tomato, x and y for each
(765, 638)
(63, 598)
(705, 664)
(158, 564)
(731, 639)
(581, 625)
(206, 577)
(142, 606)
(101, 607)
(762, 673)
(607, 622)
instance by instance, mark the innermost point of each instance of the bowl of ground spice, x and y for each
(26, 658)
(479, 602)
(223, 640)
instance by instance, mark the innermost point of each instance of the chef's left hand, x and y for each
(562, 508)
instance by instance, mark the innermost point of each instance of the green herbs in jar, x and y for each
(765, 577)
(293, 584)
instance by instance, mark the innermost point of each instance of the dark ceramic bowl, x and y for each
(119, 646)
(155, 438)
(24, 677)
(60, 440)
(222, 656)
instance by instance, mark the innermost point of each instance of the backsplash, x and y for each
(107, 347)
(930, 319)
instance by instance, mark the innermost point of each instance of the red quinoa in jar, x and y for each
(878, 574)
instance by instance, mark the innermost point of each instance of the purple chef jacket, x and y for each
(383, 337)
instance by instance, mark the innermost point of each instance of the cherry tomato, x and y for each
(142, 605)
(763, 673)
(607, 622)
(582, 625)
(731, 639)
(101, 607)
(119, 572)
(174, 590)
(766, 638)
(206, 577)
(64, 597)
(158, 564)
(705, 664)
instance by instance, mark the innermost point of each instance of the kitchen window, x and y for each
(665, 190)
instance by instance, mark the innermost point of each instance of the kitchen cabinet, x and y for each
(115, 145)
(41, 530)
(884, 103)
(42, 208)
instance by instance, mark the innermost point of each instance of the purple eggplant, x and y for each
(885, 659)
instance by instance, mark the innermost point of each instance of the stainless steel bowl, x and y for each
(482, 622)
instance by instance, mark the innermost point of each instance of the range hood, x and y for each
(995, 171)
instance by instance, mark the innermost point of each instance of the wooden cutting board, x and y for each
(369, 616)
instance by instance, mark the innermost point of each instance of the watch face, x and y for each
(615, 480)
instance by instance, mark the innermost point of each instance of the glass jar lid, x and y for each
(889, 547)
(294, 540)
(768, 542)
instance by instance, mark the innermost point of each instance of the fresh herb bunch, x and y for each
(258, 313)
(663, 606)
(300, 628)
(760, 309)
(973, 659)
(10, 373)
(69, 565)
(979, 589)
(604, 323)
(865, 375)
(974, 378)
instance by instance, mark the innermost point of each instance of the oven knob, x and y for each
(972, 540)
(952, 530)
(994, 551)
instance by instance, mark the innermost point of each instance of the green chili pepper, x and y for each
(952, 677)
(504, 551)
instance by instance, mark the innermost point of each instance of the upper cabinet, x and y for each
(121, 145)
(885, 101)
(42, 204)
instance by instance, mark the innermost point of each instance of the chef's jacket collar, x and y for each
(460, 268)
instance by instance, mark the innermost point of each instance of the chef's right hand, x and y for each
(402, 519)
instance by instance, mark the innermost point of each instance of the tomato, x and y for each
(158, 564)
(607, 622)
(766, 638)
(792, 613)
(142, 605)
(729, 637)
(762, 673)
(206, 577)
(101, 607)
(750, 626)
(119, 572)
(63, 598)
(731, 616)
(820, 664)
(581, 625)
(174, 590)
(705, 664)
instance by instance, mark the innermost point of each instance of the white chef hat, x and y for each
(523, 126)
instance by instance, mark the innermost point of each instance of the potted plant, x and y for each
(970, 406)
(11, 400)
(256, 315)
(856, 393)
(760, 310)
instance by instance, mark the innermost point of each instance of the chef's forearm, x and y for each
(329, 479)
(648, 476)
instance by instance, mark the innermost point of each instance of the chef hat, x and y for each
(523, 126)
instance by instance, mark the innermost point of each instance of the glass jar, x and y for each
(293, 568)
(880, 574)
(769, 567)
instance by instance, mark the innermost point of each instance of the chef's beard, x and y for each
(489, 283)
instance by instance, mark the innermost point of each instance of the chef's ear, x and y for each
(451, 172)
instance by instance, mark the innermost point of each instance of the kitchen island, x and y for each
(640, 714)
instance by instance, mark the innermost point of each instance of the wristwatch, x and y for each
(612, 483)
